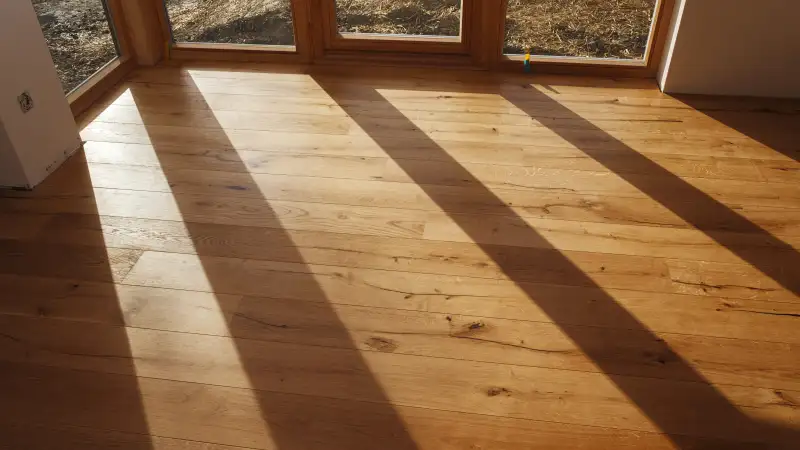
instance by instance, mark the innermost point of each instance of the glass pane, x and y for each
(410, 17)
(264, 22)
(588, 28)
(79, 36)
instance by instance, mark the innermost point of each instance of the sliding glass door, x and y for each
(80, 37)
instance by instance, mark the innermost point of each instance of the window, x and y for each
(80, 38)
(399, 17)
(579, 28)
(262, 22)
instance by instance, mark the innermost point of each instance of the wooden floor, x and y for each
(265, 257)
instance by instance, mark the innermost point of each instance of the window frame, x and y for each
(91, 89)
(571, 65)
(143, 35)
(350, 42)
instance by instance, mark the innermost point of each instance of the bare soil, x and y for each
(79, 38)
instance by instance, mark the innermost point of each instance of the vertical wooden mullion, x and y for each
(469, 9)
(115, 16)
(661, 22)
(144, 28)
(166, 28)
(326, 22)
(304, 38)
(489, 32)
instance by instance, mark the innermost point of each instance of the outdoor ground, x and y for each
(78, 36)
(598, 28)
(80, 41)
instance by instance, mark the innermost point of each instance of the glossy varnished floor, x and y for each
(264, 257)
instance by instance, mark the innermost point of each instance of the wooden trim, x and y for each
(577, 60)
(186, 51)
(595, 68)
(166, 28)
(302, 51)
(116, 16)
(399, 38)
(658, 35)
(482, 36)
(98, 84)
(362, 57)
(605, 67)
(255, 48)
(397, 44)
(304, 39)
(144, 26)
(317, 26)
(489, 19)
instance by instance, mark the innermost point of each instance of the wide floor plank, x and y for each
(283, 257)
(264, 421)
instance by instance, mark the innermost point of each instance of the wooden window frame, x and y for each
(317, 40)
(86, 93)
(646, 67)
(335, 41)
(301, 52)
(144, 37)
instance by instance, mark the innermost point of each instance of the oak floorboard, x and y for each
(329, 122)
(94, 263)
(368, 252)
(191, 156)
(323, 372)
(231, 416)
(543, 202)
(435, 293)
(512, 137)
(376, 166)
(315, 257)
(21, 226)
(539, 265)
(420, 333)
(40, 436)
(634, 240)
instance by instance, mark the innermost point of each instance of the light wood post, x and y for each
(145, 33)
(489, 26)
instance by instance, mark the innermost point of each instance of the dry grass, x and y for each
(266, 22)
(596, 28)
(78, 37)
(427, 17)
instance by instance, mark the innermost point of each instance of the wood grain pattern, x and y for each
(230, 416)
(459, 337)
(546, 203)
(331, 372)
(281, 257)
(21, 226)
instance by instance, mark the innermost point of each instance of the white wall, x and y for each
(734, 47)
(44, 137)
(11, 173)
